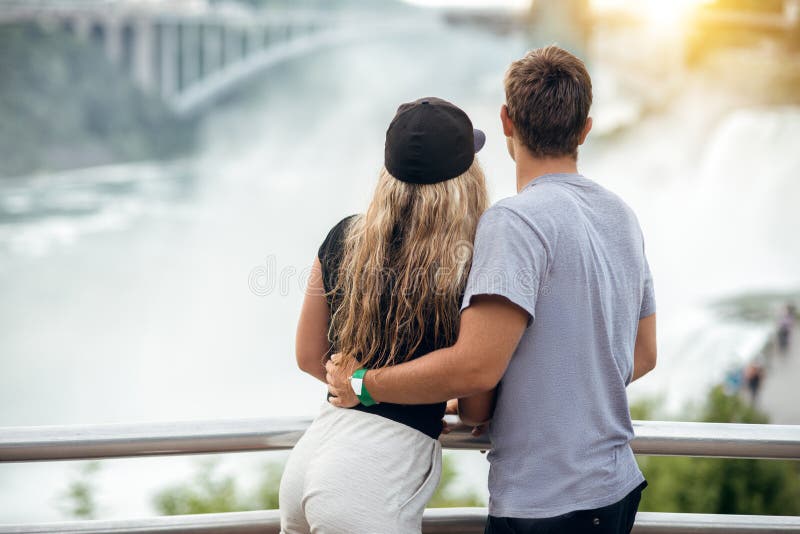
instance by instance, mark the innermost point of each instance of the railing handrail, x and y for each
(45, 443)
(435, 521)
(18, 444)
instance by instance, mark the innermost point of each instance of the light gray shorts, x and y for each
(358, 473)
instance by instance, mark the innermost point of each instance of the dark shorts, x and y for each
(615, 518)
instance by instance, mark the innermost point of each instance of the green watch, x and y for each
(357, 383)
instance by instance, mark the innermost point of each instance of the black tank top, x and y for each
(427, 418)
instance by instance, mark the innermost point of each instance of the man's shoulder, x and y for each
(544, 198)
(507, 221)
(502, 214)
(535, 209)
(551, 202)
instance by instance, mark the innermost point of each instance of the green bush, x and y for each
(447, 495)
(720, 486)
(79, 499)
(212, 492)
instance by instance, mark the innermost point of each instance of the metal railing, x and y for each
(666, 438)
(435, 521)
(23, 444)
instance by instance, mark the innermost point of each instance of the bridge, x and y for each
(186, 52)
(190, 53)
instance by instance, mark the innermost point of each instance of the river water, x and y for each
(170, 291)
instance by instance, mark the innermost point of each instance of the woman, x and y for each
(386, 287)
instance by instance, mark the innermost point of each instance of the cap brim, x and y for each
(480, 139)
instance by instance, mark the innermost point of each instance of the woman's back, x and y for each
(423, 417)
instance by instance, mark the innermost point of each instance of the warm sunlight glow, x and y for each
(666, 14)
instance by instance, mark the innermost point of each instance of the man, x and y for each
(558, 314)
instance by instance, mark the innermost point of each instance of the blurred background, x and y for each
(169, 168)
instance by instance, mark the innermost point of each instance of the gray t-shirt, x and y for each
(570, 253)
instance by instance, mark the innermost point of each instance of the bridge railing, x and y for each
(23, 444)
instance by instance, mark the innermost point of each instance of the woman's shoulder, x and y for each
(330, 252)
(335, 238)
(342, 226)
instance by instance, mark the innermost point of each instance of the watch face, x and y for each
(356, 384)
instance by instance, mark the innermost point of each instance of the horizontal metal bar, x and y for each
(720, 440)
(21, 444)
(261, 522)
(665, 523)
(436, 521)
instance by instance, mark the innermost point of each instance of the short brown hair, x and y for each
(548, 94)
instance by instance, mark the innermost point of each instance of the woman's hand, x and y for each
(480, 430)
(338, 372)
(451, 409)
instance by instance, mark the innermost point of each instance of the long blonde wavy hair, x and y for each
(404, 267)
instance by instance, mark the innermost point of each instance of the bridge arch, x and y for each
(189, 56)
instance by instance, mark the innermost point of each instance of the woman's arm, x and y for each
(478, 409)
(311, 342)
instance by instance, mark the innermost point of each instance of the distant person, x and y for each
(753, 377)
(558, 316)
(733, 381)
(785, 327)
(386, 287)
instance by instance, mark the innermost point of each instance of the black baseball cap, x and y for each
(430, 140)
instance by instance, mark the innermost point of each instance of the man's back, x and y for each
(571, 254)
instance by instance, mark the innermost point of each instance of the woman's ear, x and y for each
(508, 126)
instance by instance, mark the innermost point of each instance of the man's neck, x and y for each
(530, 168)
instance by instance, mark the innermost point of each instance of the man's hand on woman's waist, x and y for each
(490, 329)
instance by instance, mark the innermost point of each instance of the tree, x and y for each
(446, 495)
(78, 500)
(212, 492)
(721, 486)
